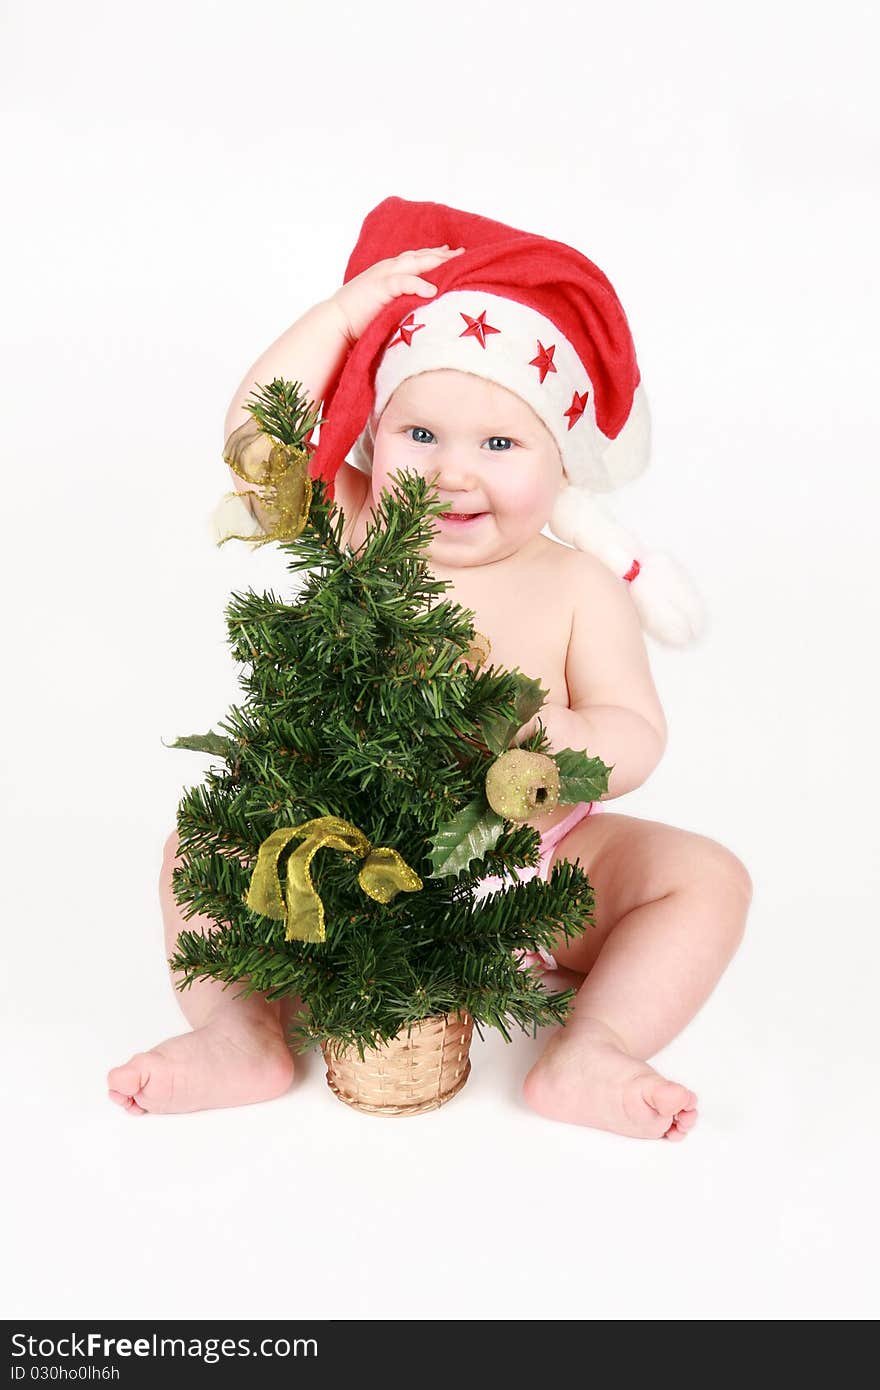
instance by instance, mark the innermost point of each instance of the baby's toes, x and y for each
(685, 1119)
(126, 1102)
(682, 1124)
(134, 1085)
(668, 1098)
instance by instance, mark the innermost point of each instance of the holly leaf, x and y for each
(469, 835)
(580, 778)
(530, 698)
(204, 743)
(498, 731)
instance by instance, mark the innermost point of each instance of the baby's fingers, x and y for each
(434, 253)
(400, 282)
(410, 284)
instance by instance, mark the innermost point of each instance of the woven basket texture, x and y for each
(412, 1073)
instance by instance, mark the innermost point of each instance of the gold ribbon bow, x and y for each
(382, 877)
(281, 470)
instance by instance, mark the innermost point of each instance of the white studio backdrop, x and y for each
(182, 183)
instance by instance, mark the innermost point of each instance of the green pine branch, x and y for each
(280, 409)
(355, 703)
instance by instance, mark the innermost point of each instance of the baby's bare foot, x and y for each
(586, 1077)
(236, 1058)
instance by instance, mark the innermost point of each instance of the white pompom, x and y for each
(667, 601)
(233, 517)
(668, 604)
(586, 523)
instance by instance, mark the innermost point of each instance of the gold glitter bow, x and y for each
(382, 877)
(281, 470)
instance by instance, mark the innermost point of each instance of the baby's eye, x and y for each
(418, 432)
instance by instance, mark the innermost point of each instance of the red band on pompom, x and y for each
(632, 571)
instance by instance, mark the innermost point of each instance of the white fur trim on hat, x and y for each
(516, 347)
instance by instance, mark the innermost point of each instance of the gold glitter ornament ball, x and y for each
(521, 784)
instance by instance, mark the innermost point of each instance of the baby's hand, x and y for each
(361, 299)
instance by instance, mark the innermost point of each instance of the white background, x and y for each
(182, 181)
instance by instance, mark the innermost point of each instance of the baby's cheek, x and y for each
(384, 468)
(380, 481)
(520, 500)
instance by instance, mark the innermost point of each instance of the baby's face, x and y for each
(486, 450)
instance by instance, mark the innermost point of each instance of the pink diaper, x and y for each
(548, 842)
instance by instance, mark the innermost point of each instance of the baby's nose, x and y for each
(451, 475)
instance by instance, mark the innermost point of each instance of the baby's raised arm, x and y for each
(313, 349)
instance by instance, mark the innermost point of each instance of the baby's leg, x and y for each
(670, 912)
(236, 1053)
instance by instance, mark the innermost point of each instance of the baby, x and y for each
(670, 905)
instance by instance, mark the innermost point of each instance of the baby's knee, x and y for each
(170, 847)
(169, 858)
(717, 870)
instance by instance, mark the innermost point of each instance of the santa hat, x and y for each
(539, 318)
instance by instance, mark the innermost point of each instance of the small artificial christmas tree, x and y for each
(338, 847)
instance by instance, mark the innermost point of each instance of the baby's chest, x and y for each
(528, 626)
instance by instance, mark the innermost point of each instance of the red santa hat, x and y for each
(539, 318)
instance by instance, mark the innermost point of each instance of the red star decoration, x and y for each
(406, 330)
(477, 328)
(544, 359)
(576, 409)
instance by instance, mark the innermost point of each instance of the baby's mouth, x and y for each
(461, 518)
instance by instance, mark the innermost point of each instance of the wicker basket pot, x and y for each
(414, 1072)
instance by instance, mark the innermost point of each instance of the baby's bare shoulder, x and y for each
(596, 592)
(558, 559)
(588, 582)
(607, 661)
